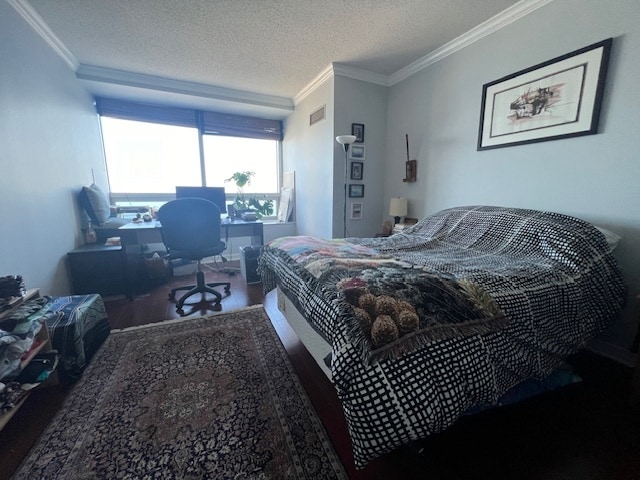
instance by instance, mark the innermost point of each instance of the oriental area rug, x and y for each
(213, 397)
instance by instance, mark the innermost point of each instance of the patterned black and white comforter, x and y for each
(500, 294)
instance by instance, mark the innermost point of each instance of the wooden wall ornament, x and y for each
(411, 166)
(411, 171)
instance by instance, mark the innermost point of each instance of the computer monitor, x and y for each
(213, 194)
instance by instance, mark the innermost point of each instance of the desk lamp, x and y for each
(345, 141)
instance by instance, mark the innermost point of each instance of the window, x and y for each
(148, 158)
(151, 149)
(225, 155)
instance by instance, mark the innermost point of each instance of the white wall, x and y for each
(318, 160)
(49, 143)
(595, 177)
(308, 151)
(361, 102)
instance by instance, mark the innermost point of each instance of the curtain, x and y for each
(210, 123)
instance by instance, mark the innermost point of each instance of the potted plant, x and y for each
(261, 207)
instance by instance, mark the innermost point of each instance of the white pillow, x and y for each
(611, 238)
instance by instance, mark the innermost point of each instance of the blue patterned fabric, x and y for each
(79, 327)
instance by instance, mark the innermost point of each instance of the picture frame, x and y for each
(357, 152)
(556, 99)
(356, 190)
(356, 211)
(356, 170)
(357, 129)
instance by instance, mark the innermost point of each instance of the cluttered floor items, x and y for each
(40, 335)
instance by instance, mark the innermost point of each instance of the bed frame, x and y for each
(317, 346)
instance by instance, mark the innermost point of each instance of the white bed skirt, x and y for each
(317, 346)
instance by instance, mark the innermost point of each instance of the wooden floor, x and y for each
(586, 431)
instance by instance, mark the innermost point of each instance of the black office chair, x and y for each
(191, 230)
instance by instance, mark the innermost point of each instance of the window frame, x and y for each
(207, 123)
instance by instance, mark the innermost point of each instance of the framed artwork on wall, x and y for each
(356, 211)
(356, 191)
(357, 152)
(556, 99)
(356, 170)
(357, 129)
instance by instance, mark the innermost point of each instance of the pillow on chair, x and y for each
(95, 203)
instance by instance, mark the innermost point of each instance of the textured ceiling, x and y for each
(269, 47)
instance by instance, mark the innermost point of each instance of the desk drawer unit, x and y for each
(97, 269)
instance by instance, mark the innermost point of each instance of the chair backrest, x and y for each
(191, 226)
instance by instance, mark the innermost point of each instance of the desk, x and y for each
(240, 228)
(134, 235)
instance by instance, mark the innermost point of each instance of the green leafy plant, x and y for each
(261, 207)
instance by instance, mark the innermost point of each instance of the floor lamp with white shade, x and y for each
(345, 141)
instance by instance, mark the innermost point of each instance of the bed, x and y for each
(448, 316)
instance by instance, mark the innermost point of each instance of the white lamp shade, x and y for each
(345, 139)
(398, 207)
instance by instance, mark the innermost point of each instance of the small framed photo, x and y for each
(357, 129)
(356, 191)
(356, 170)
(356, 211)
(357, 152)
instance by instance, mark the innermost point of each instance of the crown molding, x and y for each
(360, 74)
(138, 80)
(318, 80)
(105, 75)
(149, 82)
(499, 21)
(338, 69)
(36, 22)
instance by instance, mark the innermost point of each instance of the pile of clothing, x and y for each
(18, 338)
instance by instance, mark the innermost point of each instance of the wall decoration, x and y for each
(356, 211)
(356, 191)
(285, 205)
(356, 170)
(357, 129)
(357, 152)
(411, 166)
(411, 171)
(556, 99)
